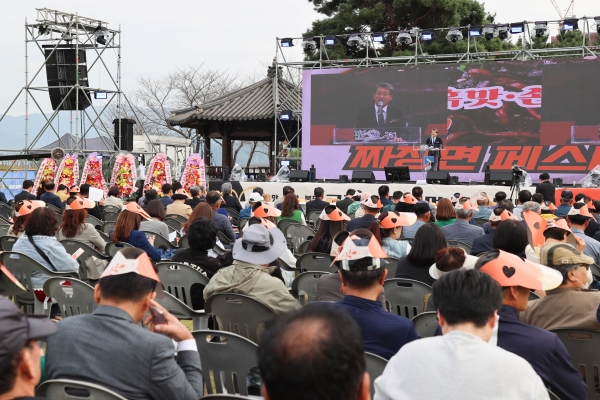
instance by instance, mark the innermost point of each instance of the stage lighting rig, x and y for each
(503, 31)
(475, 31)
(287, 42)
(541, 29)
(427, 35)
(101, 35)
(310, 44)
(355, 41)
(569, 25)
(43, 29)
(517, 27)
(454, 34)
(378, 37)
(404, 37)
(489, 31)
(330, 40)
(285, 115)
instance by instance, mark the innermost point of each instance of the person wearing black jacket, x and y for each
(317, 204)
(545, 187)
(26, 193)
(344, 203)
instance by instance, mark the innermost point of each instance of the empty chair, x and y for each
(426, 324)
(285, 222)
(73, 296)
(227, 358)
(113, 248)
(312, 218)
(72, 246)
(181, 311)
(66, 389)
(4, 228)
(584, 348)
(183, 282)
(406, 297)
(304, 286)
(90, 219)
(110, 217)
(375, 366)
(108, 226)
(7, 242)
(315, 262)
(238, 313)
(295, 234)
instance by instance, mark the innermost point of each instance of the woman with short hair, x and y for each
(156, 210)
(113, 199)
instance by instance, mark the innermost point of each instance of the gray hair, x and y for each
(385, 85)
(194, 191)
(226, 189)
(202, 188)
(463, 214)
(532, 206)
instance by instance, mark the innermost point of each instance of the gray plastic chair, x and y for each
(375, 366)
(304, 286)
(233, 213)
(315, 262)
(241, 223)
(303, 248)
(479, 221)
(67, 389)
(90, 219)
(113, 248)
(110, 216)
(227, 397)
(108, 226)
(181, 311)
(21, 266)
(178, 217)
(160, 241)
(426, 324)
(112, 209)
(285, 222)
(296, 234)
(73, 296)
(584, 348)
(351, 216)
(71, 246)
(595, 270)
(173, 223)
(5, 211)
(238, 313)
(7, 242)
(4, 229)
(54, 208)
(459, 244)
(391, 267)
(312, 218)
(59, 220)
(8, 287)
(226, 357)
(405, 296)
(103, 236)
(184, 242)
(178, 278)
(224, 239)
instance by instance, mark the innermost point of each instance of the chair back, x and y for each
(90, 219)
(59, 220)
(595, 271)
(296, 234)
(53, 208)
(312, 218)
(315, 262)
(223, 238)
(73, 296)
(238, 313)
(7, 242)
(303, 248)
(304, 286)
(426, 324)
(173, 223)
(108, 226)
(242, 223)
(405, 297)
(375, 366)
(479, 221)
(5, 211)
(71, 246)
(178, 280)
(227, 358)
(4, 228)
(160, 241)
(181, 311)
(110, 216)
(584, 348)
(113, 248)
(285, 222)
(460, 245)
(184, 242)
(226, 397)
(233, 213)
(178, 217)
(103, 235)
(391, 267)
(67, 389)
(112, 209)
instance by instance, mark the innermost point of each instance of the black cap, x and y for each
(421, 208)
(17, 328)
(567, 194)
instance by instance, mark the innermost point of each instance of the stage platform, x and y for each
(431, 192)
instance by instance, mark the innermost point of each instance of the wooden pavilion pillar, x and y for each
(206, 149)
(226, 146)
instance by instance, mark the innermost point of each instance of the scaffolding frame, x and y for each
(527, 52)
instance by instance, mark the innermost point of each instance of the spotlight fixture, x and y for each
(309, 44)
(503, 31)
(43, 29)
(489, 31)
(475, 31)
(378, 37)
(597, 19)
(541, 29)
(356, 41)
(517, 27)
(287, 42)
(569, 25)
(330, 40)
(285, 115)
(427, 35)
(454, 34)
(404, 37)
(101, 35)
(101, 95)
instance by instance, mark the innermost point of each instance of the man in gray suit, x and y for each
(110, 348)
(461, 230)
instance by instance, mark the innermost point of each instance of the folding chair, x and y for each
(296, 234)
(5, 211)
(71, 246)
(90, 219)
(223, 238)
(426, 324)
(405, 297)
(227, 358)
(7, 242)
(241, 223)
(9, 286)
(315, 262)
(179, 279)
(103, 236)
(59, 220)
(181, 311)
(108, 226)
(285, 222)
(228, 397)
(312, 218)
(233, 213)
(110, 217)
(112, 209)
(178, 217)
(391, 267)
(73, 296)
(4, 228)
(113, 248)
(67, 389)
(174, 223)
(375, 366)
(22, 266)
(304, 286)
(238, 313)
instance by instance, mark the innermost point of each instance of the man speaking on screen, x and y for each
(382, 114)
(435, 141)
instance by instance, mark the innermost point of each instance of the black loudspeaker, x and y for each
(396, 174)
(66, 67)
(363, 176)
(126, 136)
(454, 180)
(299, 176)
(439, 177)
(344, 179)
(502, 178)
(557, 182)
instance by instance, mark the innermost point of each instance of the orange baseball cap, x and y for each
(119, 265)
(262, 221)
(265, 210)
(503, 216)
(26, 207)
(355, 248)
(409, 199)
(135, 208)
(332, 213)
(583, 211)
(466, 205)
(394, 219)
(80, 204)
(536, 226)
(369, 202)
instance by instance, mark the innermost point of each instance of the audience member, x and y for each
(561, 233)
(450, 259)
(371, 205)
(423, 213)
(486, 242)
(49, 197)
(214, 199)
(157, 225)
(461, 230)
(545, 187)
(511, 236)
(150, 195)
(500, 196)
(406, 204)
(317, 204)
(332, 222)
(445, 214)
(415, 265)
(538, 198)
(542, 349)
(25, 194)
(384, 194)
(202, 210)
(228, 199)
(571, 305)
(346, 201)
(523, 197)
(505, 205)
(20, 354)
(358, 198)
(178, 206)
(463, 365)
(396, 197)
(202, 237)
(97, 207)
(417, 192)
(290, 209)
(128, 359)
(113, 199)
(314, 353)
(258, 190)
(127, 230)
(40, 189)
(483, 204)
(530, 206)
(265, 211)
(247, 211)
(167, 191)
(579, 218)
(250, 273)
(62, 191)
(266, 216)
(198, 196)
(391, 225)
(362, 267)
(286, 190)
(566, 199)
(23, 210)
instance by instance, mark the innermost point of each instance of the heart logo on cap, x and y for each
(508, 271)
(394, 220)
(265, 209)
(536, 225)
(80, 202)
(29, 206)
(340, 213)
